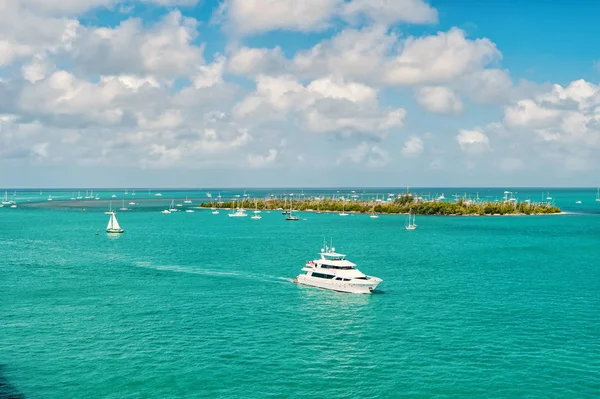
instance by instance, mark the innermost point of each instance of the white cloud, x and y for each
(388, 12)
(369, 155)
(36, 70)
(413, 147)
(259, 161)
(255, 16)
(325, 105)
(439, 58)
(257, 61)
(210, 75)
(165, 49)
(527, 113)
(473, 141)
(439, 100)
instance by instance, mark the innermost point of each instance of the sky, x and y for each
(288, 93)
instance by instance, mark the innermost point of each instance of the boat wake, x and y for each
(214, 273)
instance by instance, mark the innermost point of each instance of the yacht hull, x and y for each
(341, 286)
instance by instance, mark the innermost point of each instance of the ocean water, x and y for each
(193, 305)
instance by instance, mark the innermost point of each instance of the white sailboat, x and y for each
(343, 209)
(290, 217)
(79, 195)
(411, 224)
(373, 215)
(123, 207)
(256, 215)
(239, 212)
(187, 201)
(598, 195)
(113, 225)
(49, 197)
(110, 211)
(133, 192)
(5, 200)
(172, 207)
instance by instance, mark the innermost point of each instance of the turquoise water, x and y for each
(194, 305)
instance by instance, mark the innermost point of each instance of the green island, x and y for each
(401, 204)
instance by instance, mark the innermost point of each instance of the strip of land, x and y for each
(401, 204)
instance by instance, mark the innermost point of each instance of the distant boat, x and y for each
(113, 225)
(72, 196)
(598, 195)
(50, 198)
(256, 215)
(123, 208)
(285, 211)
(239, 212)
(373, 215)
(79, 195)
(133, 192)
(215, 211)
(13, 206)
(343, 209)
(578, 202)
(411, 224)
(158, 195)
(290, 217)
(110, 211)
(132, 203)
(189, 210)
(549, 198)
(114, 196)
(187, 201)
(172, 207)
(165, 211)
(5, 200)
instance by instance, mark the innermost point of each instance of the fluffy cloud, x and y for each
(369, 155)
(439, 100)
(325, 105)
(165, 49)
(473, 141)
(255, 16)
(259, 161)
(413, 147)
(388, 12)
(439, 58)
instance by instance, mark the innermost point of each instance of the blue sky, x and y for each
(247, 93)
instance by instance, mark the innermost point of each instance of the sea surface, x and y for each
(196, 305)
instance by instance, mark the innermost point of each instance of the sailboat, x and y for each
(133, 192)
(49, 197)
(166, 211)
(598, 195)
(214, 209)
(343, 209)
(549, 198)
(318, 207)
(291, 216)
(187, 201)
(256, 215)
(79, 195)
(239, 212)
(5, 200)
(123, 208)
(373, 215)
(113, 225)
(411, 225)
(172, 207)
(285, 211)
(110, 211)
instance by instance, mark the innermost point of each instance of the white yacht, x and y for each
(333, 271)
(239, 213)
(113, 225)
(411, 223)
(5, 200)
